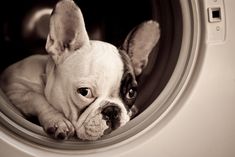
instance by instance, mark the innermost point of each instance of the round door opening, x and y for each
(25, 34)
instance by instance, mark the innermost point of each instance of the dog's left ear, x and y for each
(140, 42)
(67, 31)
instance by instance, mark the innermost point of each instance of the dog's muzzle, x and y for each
(99, 120)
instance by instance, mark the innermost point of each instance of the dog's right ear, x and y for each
(67, 31)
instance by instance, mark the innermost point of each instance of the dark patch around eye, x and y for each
(128, 80)
(128, 83)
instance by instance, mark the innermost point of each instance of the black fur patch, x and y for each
(128, 81)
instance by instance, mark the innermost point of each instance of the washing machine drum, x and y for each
(24, 35)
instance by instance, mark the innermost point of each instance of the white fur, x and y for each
(100, 69)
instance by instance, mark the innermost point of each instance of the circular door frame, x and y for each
(139, 129)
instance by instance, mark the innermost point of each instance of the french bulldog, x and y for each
(82, 87)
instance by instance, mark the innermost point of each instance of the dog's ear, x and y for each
(67, 31)
(140, 42)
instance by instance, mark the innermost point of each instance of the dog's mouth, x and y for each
(95, 122)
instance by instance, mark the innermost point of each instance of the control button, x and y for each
(215, 20)
(214, 14)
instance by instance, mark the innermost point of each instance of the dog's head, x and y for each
(92, 82)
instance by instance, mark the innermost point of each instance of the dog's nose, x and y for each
(111, 115)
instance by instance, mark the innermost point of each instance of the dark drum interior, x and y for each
(106, 20)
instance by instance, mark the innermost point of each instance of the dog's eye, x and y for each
(86, 92)
(131, 94)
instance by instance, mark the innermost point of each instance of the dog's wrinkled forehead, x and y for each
(98, 57)
(100, 66)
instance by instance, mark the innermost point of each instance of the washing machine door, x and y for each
(168, 88)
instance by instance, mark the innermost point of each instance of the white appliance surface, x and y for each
(202, 126)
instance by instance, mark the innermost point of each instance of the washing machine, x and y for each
(186, 104)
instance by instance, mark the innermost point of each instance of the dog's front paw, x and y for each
(56, 125)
